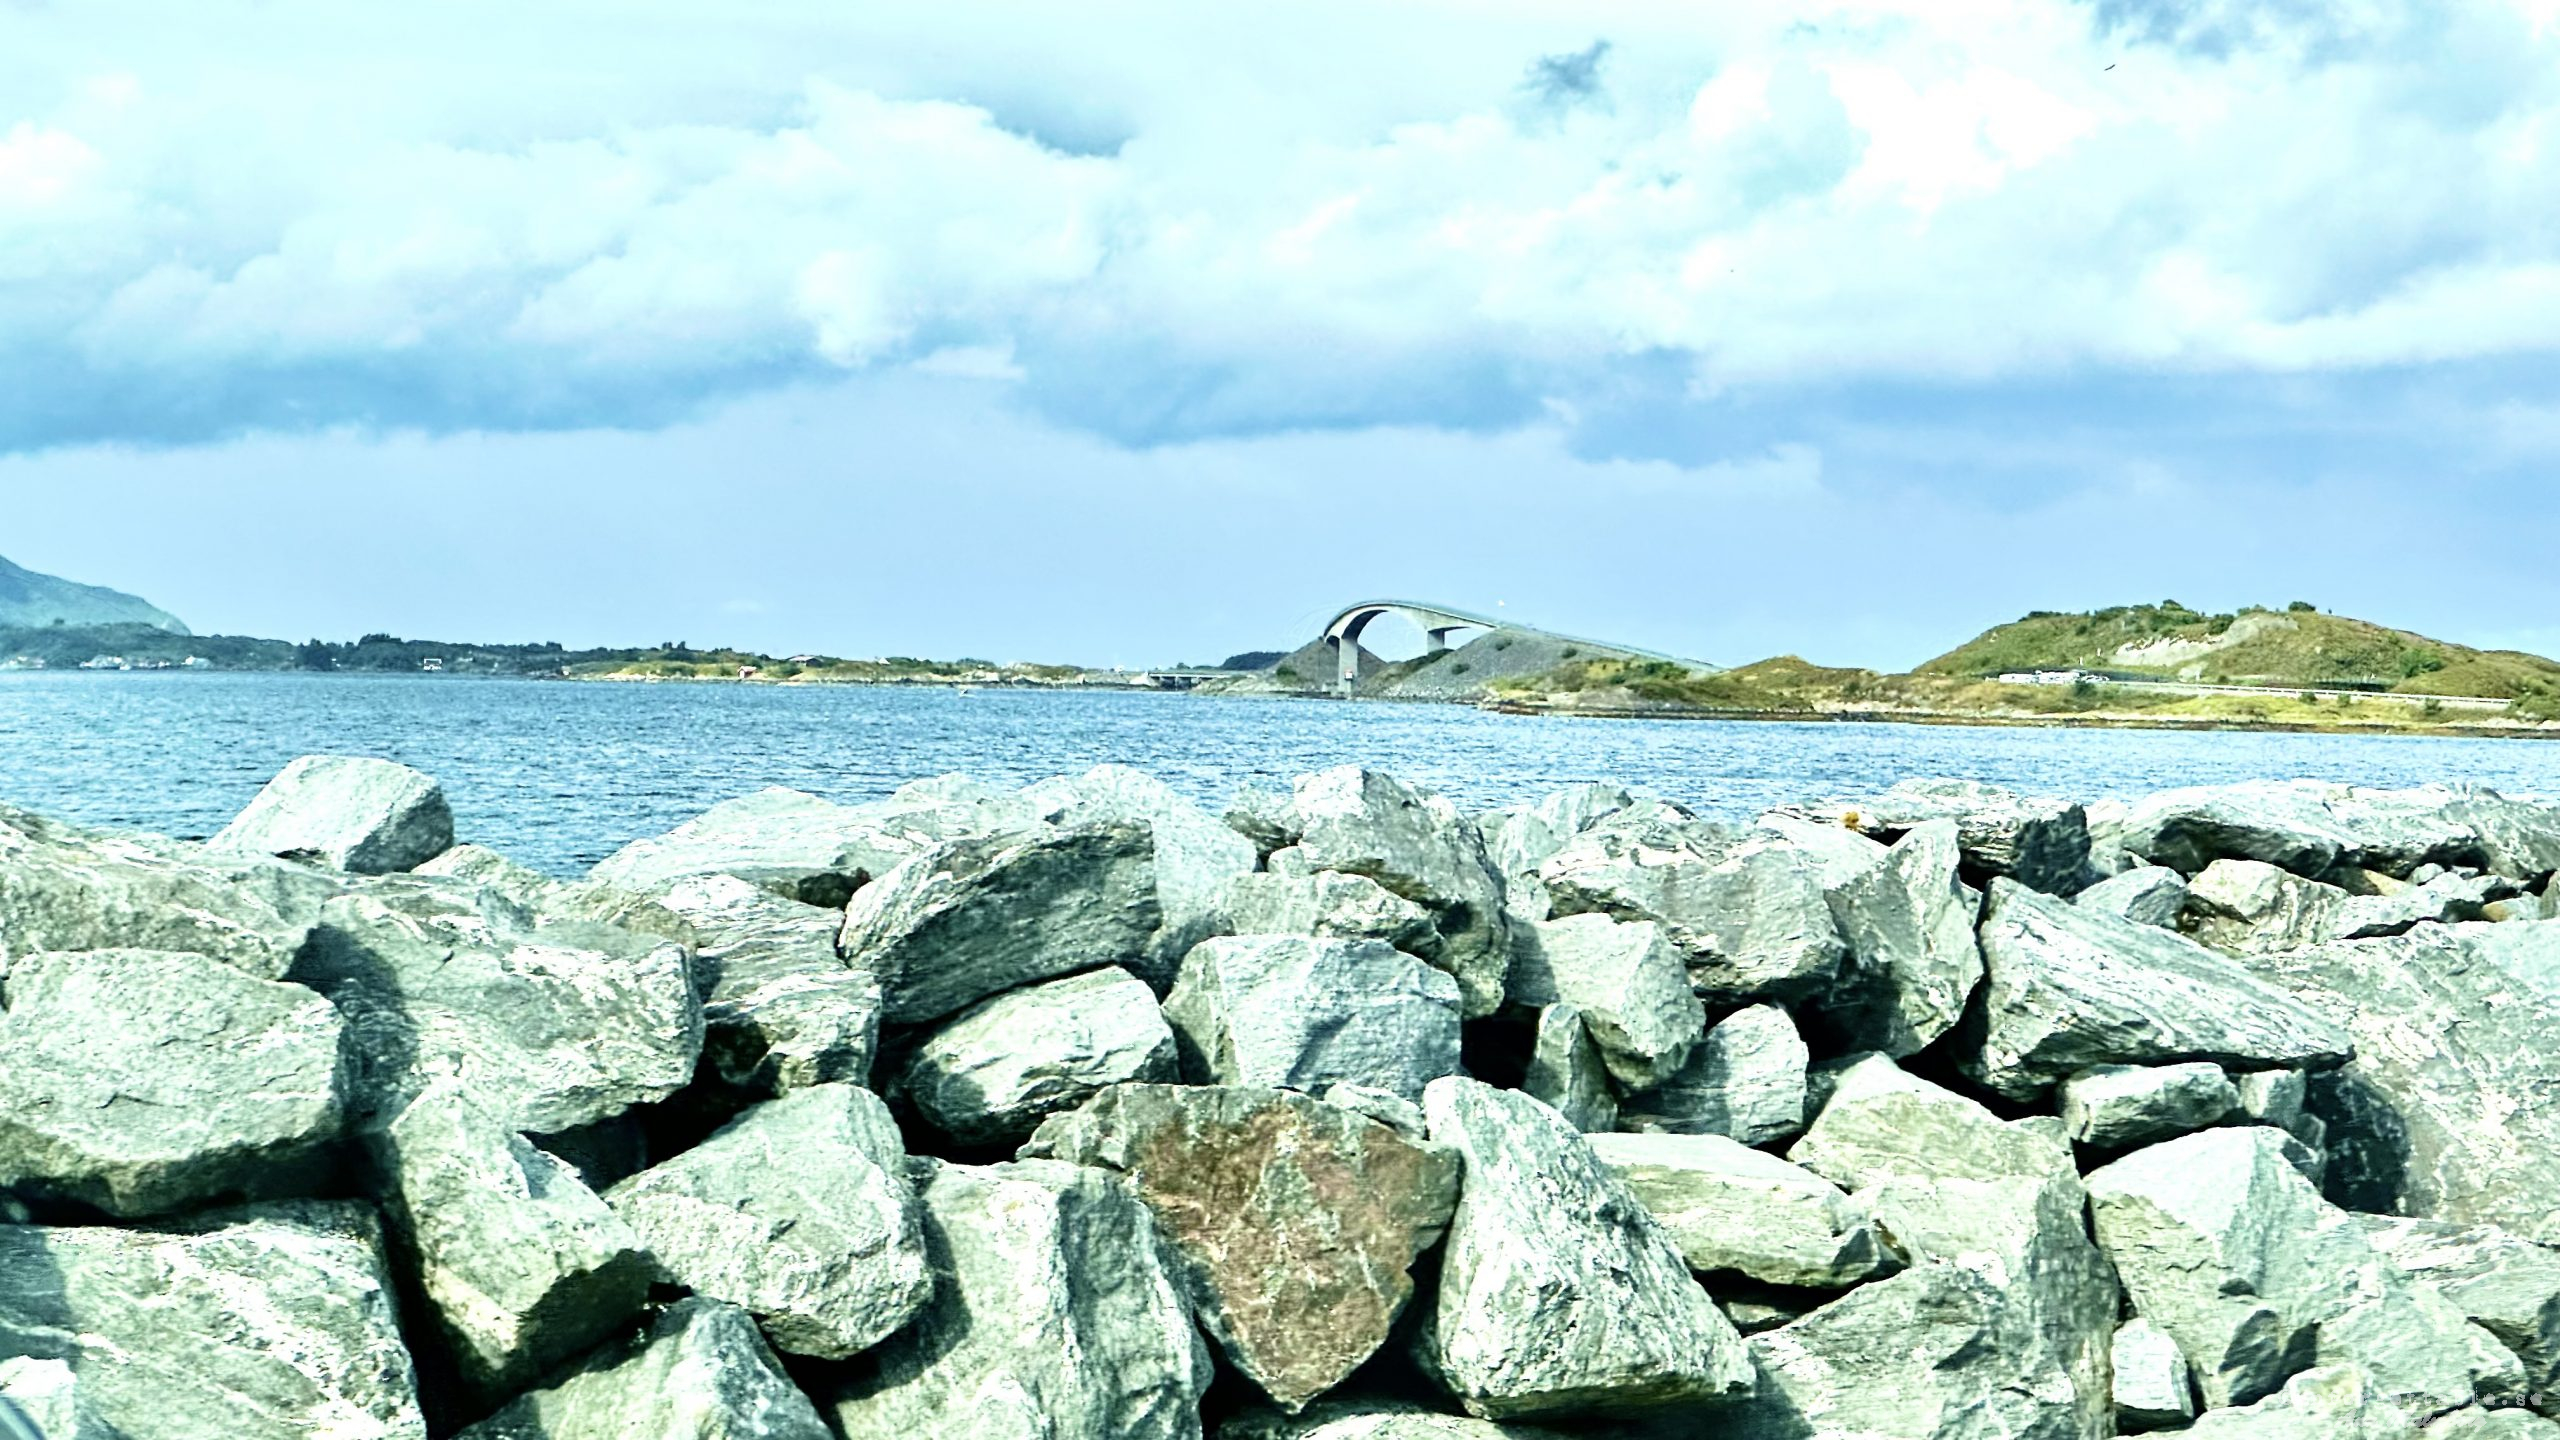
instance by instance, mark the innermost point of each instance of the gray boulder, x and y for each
(2478, 1424)
(2145, 895)
(994, 1071)
(1567, 1072)
(2154, 1388)
(2334, 1402)
(800, 1213)
(780, 1011)
(1294, 1225)
(523, 1267)
(548, 1027)
(1416, 845)
(1372, 1420)
(1750, 919)
(2303, 826)
(1055, 1316)
(143, 1081)
(273, 1324)
(1329, 906)
(2116, 1107)
(2039, 841)
(363, 816)
(45, 1394)
(2506, 1285)
(701, 1372)
(1196, 856)
(1732, 1208)
(1291, 1011)
(1881, 1122)
(978, 917)
(2251, 907)
(2070, 988)
(1745, 1081)
(1559, 1293)
(67, 889)
(1913, 961)
(2226, 1248)
(2451, 1109)
(796, 845)
(1522, 838)
(1629, 984)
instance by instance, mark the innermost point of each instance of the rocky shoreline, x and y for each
(1077, 1112)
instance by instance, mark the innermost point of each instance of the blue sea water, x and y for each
(560, 775)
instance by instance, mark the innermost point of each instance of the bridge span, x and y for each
(1438, 623)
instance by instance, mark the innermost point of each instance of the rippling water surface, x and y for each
(561, 774)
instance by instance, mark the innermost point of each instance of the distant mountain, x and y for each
(32, 601)
(2295, 646)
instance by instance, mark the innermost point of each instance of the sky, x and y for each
(1147, 332)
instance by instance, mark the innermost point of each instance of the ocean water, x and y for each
(560, 775)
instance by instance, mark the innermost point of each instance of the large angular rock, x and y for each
(363, 816)
(2334, 1402)
(1559, 1293)
(524, 1267)
(2303, 826)
(1521, 839)
(1328, 905)
(1372, 1420)
(1415, 844)
(2451, 1110)
(793, 844)
(701, 1372)
(2070, 988)
(1882, 1122)
(1055, 1317)
(1749, 918)
(67, 889)
(275, 1324)
(1732, 1208)
(2519, 839)
(2506, 1285)
(2478, 1424)
(2251, 907)
(2227, 1249)
(1745, 1081)
(2116, 1107)
(2039, 841)
(549, 1028)
(1197, 857)
(780, 1010)
(1935, 1353)
(1566, 1071)
(2145, 895)
(2154, 1388)
(45, 1394)
(144, 1081)
(975, 918)
(1294, 1224)
(1913, 960)
(1628, 982)
(1291, 1011)
(993, 1072)
(799, 1212)
(480, 865)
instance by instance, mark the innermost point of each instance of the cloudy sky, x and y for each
(1137, 332)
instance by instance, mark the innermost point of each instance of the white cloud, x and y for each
(1164, 221)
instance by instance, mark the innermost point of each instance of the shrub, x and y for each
(2302, 607)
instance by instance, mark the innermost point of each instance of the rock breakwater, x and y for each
(1076, 1112)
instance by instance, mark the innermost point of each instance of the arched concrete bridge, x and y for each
(1438, 623)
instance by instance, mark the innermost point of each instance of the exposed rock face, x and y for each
(1732, 1208)
(2334, 1402)
(144, 1081)
(548, 1027)
(1054, 1317)
(1912, 957)
(780, 1011)
(2038, 841)
(2451, 1110)
(1567, 1072)
(1291, 1011)
(1293, 1224)
(2507, 1286)
(800, 1213)
(1559, 1293)
(2116, 1107)
(525, 1268)
(1330, 906)
(793, 844)
(995, 1070)
(273, 1324)
(66, 889)
(1196, 856)
(2145, 895)
(1629, 984)
(1746, 1081)
(1750, 920)
(2071, 988)
(975, 918)
(700, 1373)
(366, 817)
(2227, 1249)
(2154, 1388)
(1416, 845)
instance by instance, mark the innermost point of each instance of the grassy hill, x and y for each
(31, 600)
(2290, 647)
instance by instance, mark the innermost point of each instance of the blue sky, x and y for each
(1138, 331)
